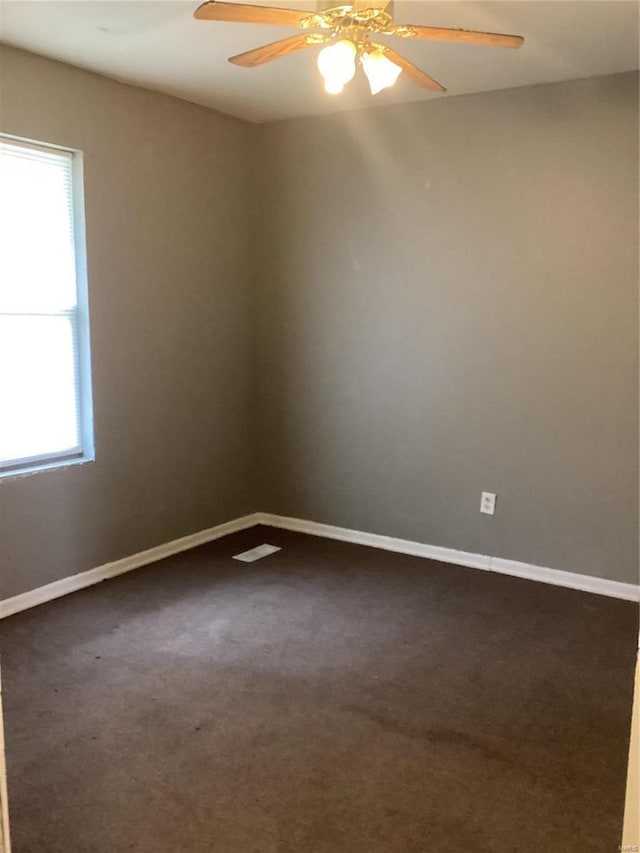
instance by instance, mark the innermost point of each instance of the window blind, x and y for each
(40, 407)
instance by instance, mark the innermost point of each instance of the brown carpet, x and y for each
(327, 698)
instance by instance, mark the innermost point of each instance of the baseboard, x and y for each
(585, 583)
(64, 586)
(572, 580)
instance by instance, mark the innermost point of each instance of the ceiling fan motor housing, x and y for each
(330, 5)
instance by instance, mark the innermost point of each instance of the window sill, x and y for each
(38, 467)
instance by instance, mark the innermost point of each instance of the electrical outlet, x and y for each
(488, 503)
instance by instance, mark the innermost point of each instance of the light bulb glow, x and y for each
(337, 64)
(333, 87)
(381, 72)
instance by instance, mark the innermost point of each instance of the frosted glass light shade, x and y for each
(337, 64)
(381, 72)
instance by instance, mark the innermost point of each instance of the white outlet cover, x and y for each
(257, 553)
(488, 503)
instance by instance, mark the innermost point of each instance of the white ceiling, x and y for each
(160, 46)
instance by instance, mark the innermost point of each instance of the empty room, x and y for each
(319, 409)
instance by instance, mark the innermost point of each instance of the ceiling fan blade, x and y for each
(446, 34)
(412, 71)
(244, 14)
(277, 49)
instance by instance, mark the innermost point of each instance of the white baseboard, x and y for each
(585, 583)
(33, 597)
(572, 580)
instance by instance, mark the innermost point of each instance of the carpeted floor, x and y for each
(328, 698)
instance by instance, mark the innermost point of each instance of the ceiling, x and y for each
(160, 46)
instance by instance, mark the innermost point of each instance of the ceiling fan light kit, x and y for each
(347, 35)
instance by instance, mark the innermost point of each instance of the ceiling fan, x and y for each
(348, 33)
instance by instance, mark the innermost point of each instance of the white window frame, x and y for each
(79, 317)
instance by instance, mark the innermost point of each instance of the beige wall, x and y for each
(167, 209)
(430, 300)
(449, 304)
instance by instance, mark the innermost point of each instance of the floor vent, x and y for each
(256, 553)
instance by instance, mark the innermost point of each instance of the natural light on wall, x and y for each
(44, 383)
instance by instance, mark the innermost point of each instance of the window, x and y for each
(45, 388)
